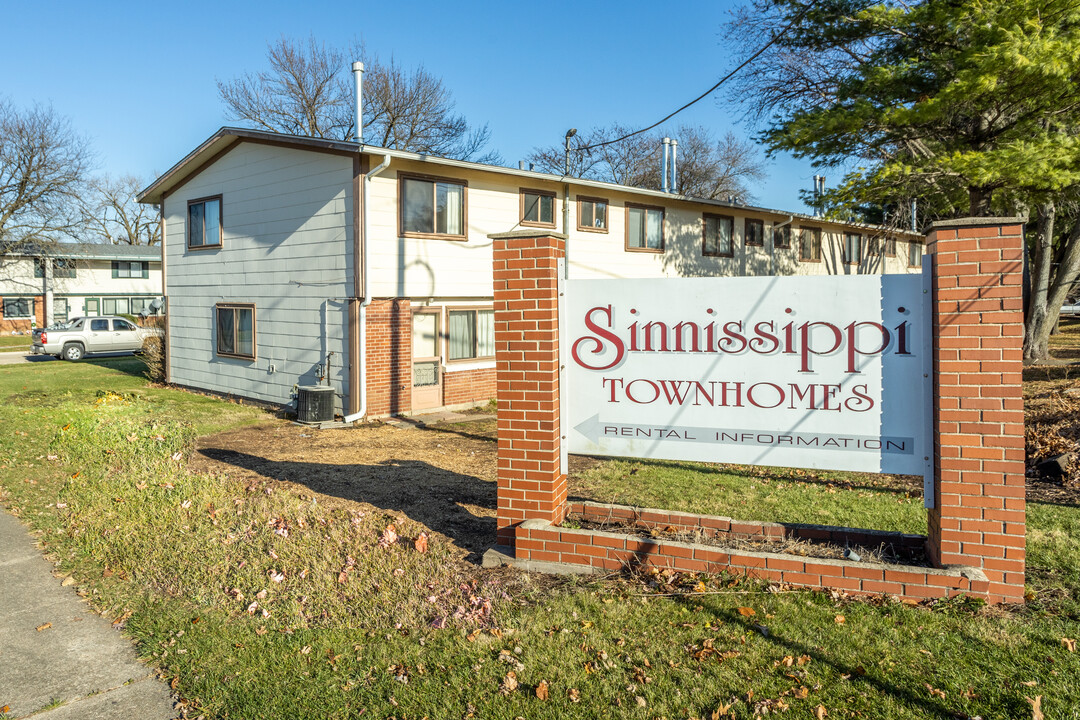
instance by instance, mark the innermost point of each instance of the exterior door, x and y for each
(426, 360)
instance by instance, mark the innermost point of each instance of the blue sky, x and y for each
(139, 80)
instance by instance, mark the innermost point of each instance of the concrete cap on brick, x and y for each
(527, 234)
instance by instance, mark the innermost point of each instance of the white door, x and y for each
(426, 360)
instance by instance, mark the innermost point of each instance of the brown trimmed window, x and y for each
(644, 228)
(810, 245)
(717, 232)
(915, 253)
(873, 246)
(852, 248)
(754, 233)
(470, 334)
(781, 237)
(204, 222)
(537, 208)
(432, 207)
(592, 214)
(890, 247)
(235, 324)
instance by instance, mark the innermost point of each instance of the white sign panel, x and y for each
(826, 372)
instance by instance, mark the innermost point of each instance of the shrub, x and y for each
(153, 354)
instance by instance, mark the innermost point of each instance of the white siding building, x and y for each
(264, 236)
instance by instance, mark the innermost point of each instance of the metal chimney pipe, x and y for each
(666, 142)
(521, 164)
(674, 157)
(914, 211)
(358, 74)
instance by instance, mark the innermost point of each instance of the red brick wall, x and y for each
(389, 357)
(468, 386)
(531, 483)
(979, 513)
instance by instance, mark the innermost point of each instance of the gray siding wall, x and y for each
(287, 248)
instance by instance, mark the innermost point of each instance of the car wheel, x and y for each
(73, 352)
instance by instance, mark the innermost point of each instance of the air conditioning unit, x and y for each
(315, 403)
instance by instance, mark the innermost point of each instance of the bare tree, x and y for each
(43, 165)
(308, 90)
(110, 212)
(707, 167)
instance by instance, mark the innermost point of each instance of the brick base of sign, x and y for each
(538, 541)
(717, 527)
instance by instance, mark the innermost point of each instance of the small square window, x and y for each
(537, 208)
(755, 233)
(235, 330)
(644, 228)
(592, 215)
(432, 207)
(204, 223)
(810, 245)
(470, 334)
(717, 240)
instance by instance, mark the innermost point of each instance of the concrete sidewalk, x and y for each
(79, 667)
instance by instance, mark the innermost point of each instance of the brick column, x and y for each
(531, 482)
(979, 508)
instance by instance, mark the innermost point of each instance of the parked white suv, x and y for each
(82, 336)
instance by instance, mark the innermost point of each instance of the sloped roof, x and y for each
(90, 251)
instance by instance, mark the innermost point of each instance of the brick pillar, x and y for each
(531, 481)
(979, 509)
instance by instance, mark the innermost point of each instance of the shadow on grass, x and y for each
(422, 492)
(131, 365)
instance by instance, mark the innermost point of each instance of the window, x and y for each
(470, 334)
(432, 207)
(204, 223)
(235, 330)
(62, 268)
(115, 306)
(781, 237)
(810, 245)
(122, 326)
(92, 306)
(718, 230)
(18, 308)
(852, 248)
(592, 214)
(890, 247)
(915, 253)
(125, 269)
(537, 208)
(39, 267)
(755, 233)
(140, 304)
(99, 325)
(60, 309)
(644, 228)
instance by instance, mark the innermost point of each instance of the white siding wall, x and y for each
(287, 247)
(426, 268)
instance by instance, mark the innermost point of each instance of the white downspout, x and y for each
(362, 410)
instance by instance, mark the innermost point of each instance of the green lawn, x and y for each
(12, 343)
(96, 462)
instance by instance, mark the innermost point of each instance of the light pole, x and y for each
(569, 134)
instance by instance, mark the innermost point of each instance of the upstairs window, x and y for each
(781, 237)
(810, 245)
(644, 228)
(204, 223)
(537, 208)
(852, 248)
(755, 233)
(890, 247)
(592, 214)
(235, 325)
(718, 231)
(128, 269)
(470, 334)
(432, 207)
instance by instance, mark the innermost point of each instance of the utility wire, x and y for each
(708, 92)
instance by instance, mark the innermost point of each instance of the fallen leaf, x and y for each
(640, 701)
(67, 581)
(801, 692)
(746, 612)
(542, 690)
(820, 712)
(1030, 683)
(389, 536)
(934, 692)
(260, 631)
(1069, 643)
(175, 682)
(574, 695)
(839, 620)
(788, 661)
(803, 659)
(1036, 707)
(509, 683)
(46, 626)
(306, 650)
(5, 709)
(421, 542)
